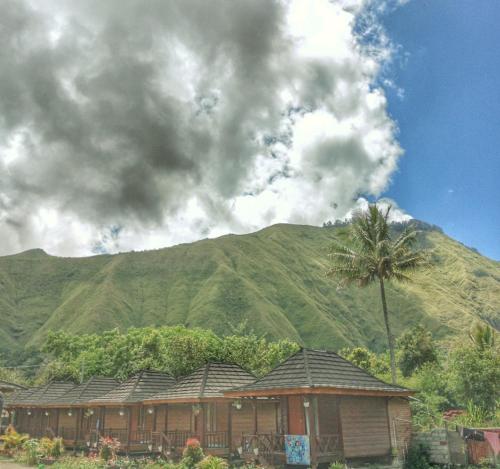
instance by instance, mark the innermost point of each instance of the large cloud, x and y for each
(129, 125)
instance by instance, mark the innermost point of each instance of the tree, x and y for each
(415, 347)
(372, 255)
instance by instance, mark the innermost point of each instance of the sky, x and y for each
(130, 125)
(449, 117)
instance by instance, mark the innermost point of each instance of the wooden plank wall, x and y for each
(266, 417)
(179, 417)
(113, 419)
(400, 420)
(221, 417)
(66, 421)
(243, 422)
(328, 415)
(365, 426)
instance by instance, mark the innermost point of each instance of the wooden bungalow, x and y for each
(196, 408)
(121, 413)
(341, 411)
(74, 423)
(30, 412)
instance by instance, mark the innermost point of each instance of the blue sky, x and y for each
(449, 117)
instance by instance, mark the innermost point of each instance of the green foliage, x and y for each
(51, 448)
(476, 416)
(474, 376)
(417, 458)
(415, 348)
(281, 286)
(31, 452)
(336, 465)
(177, 350)
(108, 447)
(212, 462)
(192, 454)
(482, 336)
(372, 255)
(375, 364)
(13, 440)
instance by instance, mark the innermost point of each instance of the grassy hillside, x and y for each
(274, 279)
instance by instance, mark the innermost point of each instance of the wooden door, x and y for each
(296, 416)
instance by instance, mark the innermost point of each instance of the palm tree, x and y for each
(373, 255)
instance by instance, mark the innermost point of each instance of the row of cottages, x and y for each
(315, 407)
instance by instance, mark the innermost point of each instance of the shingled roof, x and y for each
(5, 386)
(209, 381)
(40, 396)
(137, 388)
(310, 369)
(95, 387)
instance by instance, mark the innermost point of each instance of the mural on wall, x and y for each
(297, 450)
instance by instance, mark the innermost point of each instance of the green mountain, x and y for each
(274, 279)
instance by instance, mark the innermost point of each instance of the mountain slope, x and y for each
(274, 279)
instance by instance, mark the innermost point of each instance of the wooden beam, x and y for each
(230, 426)
(339, 424)
(316, 391)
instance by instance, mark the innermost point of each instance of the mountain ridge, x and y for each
(274, 279)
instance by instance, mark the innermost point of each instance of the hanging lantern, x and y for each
(306, 402)
(196, 409)
(237, 404)
(28, 412)
(150, 411)
(121, 412)
(46, 413)
(70, 413)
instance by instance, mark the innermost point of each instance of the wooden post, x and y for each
(103, 419)
(78, 425)
(155, 413)
(339, 425)
(129, 427)
(202, 424)
(255, 417)
(311, 430)
(166, 418)
(57, 422)
(229, 426)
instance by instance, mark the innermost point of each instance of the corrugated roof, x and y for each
(318, 369)
(95, 387)
(137, 388)
(42, 395)
(17, 397)
(209, 381)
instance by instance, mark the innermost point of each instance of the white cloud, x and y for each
(131, 127)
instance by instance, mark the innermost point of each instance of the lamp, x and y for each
(70, 413)
(256, 451)
(46, 413)
(237, 404)
(28, 412)
(121, 412)
(196, 409)
(306, 402)
(150, 411)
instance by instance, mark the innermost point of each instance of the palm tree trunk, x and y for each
(390, 339)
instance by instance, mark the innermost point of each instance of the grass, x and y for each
(274, 279)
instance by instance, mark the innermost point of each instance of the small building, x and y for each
(343, 412)
(74, 423)
(121, 413)
(195, 407)
(30, 411)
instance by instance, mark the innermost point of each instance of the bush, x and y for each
(417, 458)
(31, 452)
(192, 453)
(51, 448)
(212, 462)
(108, 448)
(337, 465)
(12, 439)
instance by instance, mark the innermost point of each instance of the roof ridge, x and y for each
(307, 369)
(138, 379)
(204, 380)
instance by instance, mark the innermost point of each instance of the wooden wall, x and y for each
(113, 419)
(328, 415)
(400, 421)
(267, 417)
(179, 417)
(243, 422)
(66, 421)
(365, 426)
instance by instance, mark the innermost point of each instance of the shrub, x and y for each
(212, 462)
(12, 439)
(51, 448)
(417, 458)
(108, 448)
(31, 448)
(336, 465)
(192, 453)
